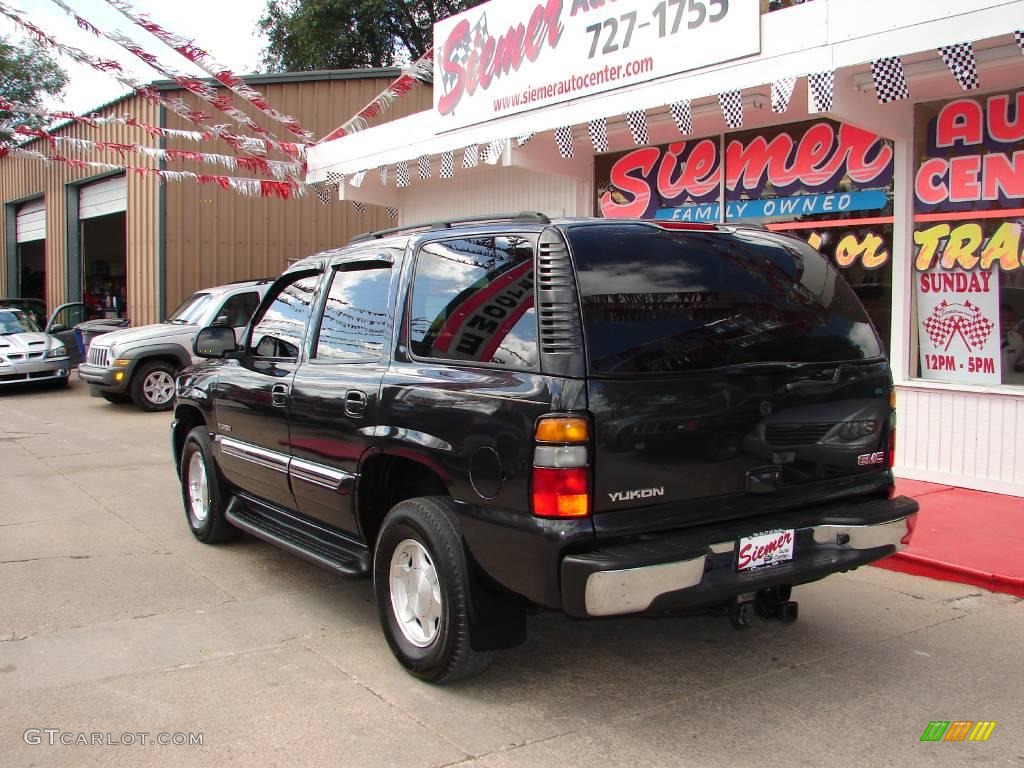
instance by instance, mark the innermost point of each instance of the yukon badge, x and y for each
(639, 493)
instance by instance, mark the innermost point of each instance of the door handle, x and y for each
(355, 403)
(279, 395)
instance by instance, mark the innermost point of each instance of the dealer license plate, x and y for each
(764, 550)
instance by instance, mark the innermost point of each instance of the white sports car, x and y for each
(27, 354)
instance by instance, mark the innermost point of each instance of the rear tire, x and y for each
(421, 581)
(114, 399)
(201, 491)
(152, 386)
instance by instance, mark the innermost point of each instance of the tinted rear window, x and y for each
(658, 301)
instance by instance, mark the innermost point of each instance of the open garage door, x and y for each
(30, 234)
(102, 217)
(30, 221)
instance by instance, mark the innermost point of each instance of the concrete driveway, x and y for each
(114, 621)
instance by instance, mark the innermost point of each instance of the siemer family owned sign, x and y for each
(510, 56)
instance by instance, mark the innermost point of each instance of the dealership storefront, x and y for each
(889, 137)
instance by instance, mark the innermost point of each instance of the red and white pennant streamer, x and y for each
(190, 84)
(247, 187)
(275, 168)
(177, 105)
(420, 72)
(204, 61)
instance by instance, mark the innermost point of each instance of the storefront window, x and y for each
(968, 283)
(826, 183)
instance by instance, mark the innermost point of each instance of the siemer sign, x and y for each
(510, 56)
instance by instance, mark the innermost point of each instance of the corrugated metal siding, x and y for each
(490, 190)
(20, 178)
(963, 438)
(214, 236)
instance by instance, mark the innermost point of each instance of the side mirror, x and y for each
(214, 343)
(58, 328)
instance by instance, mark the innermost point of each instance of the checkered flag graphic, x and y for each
(493, 152)
(563, 138)
(461, 53)
(782, 92)
(822, 87)
(392, 212)
(357, 179)
(890, 79)
(637, 122)
(947, 320)
(424, 166)
(598, 130)
(324, 191)
(1018, 35)
(471, 156)
(447, 165)
(961, 62)
(333, 177)
(360, 207)
(681, 113)
(402, 174)
(383, 171)
(524, 138)
(731, 103)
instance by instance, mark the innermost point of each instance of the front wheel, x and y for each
(421, 581)
(201, 491)
(152, 387)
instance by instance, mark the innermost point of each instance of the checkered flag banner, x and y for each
(447, 165)
(402, 174)
(471, 156)
(1018, 35)
(637, 122)
(324, 191)
(731, 103)
(333, 177)
(360, 207)
(890, 79)
(357, 179)
(598, 130)
(966, 319)
(563, 138)
(681, 113)
(424, 166)
(961, 62)
(822, 86)
(383, 171)
(392, 212)
(782, 92)
(523, 139)
(493, 152)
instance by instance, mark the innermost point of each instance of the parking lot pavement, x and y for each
(115, 621)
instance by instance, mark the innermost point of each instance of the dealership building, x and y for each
(134, 247)
(889, 135)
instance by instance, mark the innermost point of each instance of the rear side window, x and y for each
(472, 300)
(658, 301)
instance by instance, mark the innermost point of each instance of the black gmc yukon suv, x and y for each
(595, 416)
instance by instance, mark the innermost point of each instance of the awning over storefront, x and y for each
(842, 37)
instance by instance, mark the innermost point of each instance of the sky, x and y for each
(226, 29)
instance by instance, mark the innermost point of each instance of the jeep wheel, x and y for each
(201, 491)
(152, 386)
(420, 578)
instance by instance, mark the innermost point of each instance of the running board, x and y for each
(309, 541)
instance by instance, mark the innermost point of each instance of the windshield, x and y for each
(657, 301)
(16, 321)
(191, 309)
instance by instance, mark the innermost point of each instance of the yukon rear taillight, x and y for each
(561, 474)
(892, 448)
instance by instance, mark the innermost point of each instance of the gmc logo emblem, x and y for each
(871, 459)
